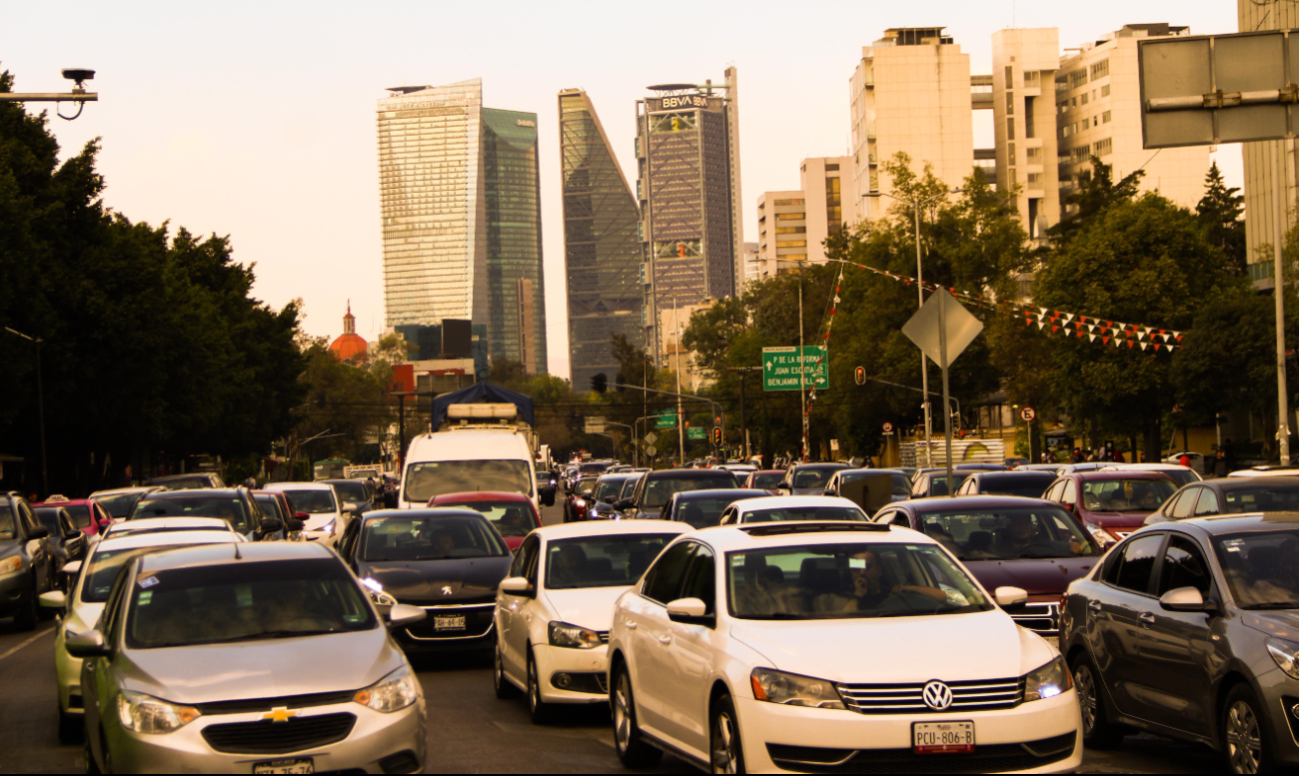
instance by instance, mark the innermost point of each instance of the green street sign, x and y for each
(666, 421)
(696, 434)
(780, 367)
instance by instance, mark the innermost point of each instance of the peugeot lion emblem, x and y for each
(938, 696)
(446, 590)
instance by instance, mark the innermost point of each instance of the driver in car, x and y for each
(1023, 538)
(869, 591)
(566, 568)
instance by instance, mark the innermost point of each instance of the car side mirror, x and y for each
(72, 568)
(87, 645)
(271, 525)
(295, 524)
(516, 586)
(351, 506)
(402, 615)
(690, 611)
(54, 599)
(302, 516)
(625, 504)
(1183, 599)
(39, 532)
(1010, 596)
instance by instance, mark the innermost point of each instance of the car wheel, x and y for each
(70, 727)
(633, 752)
(30, 612)
(504, 689)
(537, 708)
(1098, 731)
(727, 753)
(1243, 738)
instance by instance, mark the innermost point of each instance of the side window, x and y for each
(1053, 493)
(728, 517)
(901, 519)
(520, 564)
(530, 563)
(663, 580)
(1185, 503)
(112, 610)
(1132, 571)
(1208, 504)
(66, 525)
(1184, 566)
(1070, 495)
(701, 582)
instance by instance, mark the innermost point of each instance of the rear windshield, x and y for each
(938, 482)
(813, 478)
(226, 508)
(1273, 497)
(249, 601)
(1126, 495)
(767, 481)
(705, 512)
(510, 517)
(1027, 485)
(1009, 534)
(784, 514)
(439, 478)
(901, 485)
(429, 537)
(271, 506)
(609, 487)
(120, 506)
(355, 491)
(80, 514)
(601, 561)
(313, 502)
(658, 492)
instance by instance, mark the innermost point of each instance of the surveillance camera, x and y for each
(79, 74)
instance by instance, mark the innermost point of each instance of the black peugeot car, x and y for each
(447, 561)
(28, 563)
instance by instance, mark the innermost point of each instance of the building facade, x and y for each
(793, 225)
(461, 214)
(1024, 63)
(602, 247)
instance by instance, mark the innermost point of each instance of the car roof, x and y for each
(181, 495)
(482, 495)
(1014, 475)
(945, 503)
(169, 524)
(700, 495)
(1107, 476)
(283, 486)
(611, 528)
(824, 465)
(180, 477)
(687, 474)
(768, 471)
(1240, 483)
(123, 491)
(252, 552)
(761, 536)
(132, 541)
(785, 502)
(423, 512)
(1221, 524)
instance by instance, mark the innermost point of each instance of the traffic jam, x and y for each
(811, 618)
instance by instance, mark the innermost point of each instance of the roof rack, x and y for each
(795, 527)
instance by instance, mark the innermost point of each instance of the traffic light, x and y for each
(717, 437)
(600, 383)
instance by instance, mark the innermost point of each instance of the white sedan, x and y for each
(81, 608)
(327, 515)
(779, 509)
(554, 608)
(832, 647)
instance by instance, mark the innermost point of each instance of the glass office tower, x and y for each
(602, 249)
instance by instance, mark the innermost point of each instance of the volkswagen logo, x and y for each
(938, 696)
(447, 591)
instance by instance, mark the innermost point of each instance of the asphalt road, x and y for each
(470, 731)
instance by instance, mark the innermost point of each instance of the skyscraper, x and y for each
(602, 249)
(689, 187)
(462, 216)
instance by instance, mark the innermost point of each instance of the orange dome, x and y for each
(350, 346)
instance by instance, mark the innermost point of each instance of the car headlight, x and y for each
(793, 690)
(1100, 534)
(579, 503)
(1286, 656)
(142, 713)
(10, 565)
(392, 693)
(326, 528)
(1048, 681)
(572, 636)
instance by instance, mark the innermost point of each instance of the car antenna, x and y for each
(237, 555)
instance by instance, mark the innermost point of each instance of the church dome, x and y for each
(349, 346)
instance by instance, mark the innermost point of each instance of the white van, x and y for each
(481, 447)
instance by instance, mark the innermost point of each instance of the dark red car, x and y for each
(513, 514)
(579, 500)
(1112, 504)
(89, 516)
(1008, 541)
(768, 480)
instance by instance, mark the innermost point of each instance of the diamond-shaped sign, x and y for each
(924, 327)
(651, 438)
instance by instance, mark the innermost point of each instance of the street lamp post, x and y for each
(78, 95)
(40, 406)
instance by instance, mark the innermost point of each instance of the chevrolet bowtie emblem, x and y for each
(446, 591)
(279, 714)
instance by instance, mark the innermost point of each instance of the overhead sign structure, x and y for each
(780, 369)
(1028, 414)
(594, 425)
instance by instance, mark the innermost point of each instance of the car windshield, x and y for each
(1262, 568)
(438, 478)
(601, 561)
(839, 581)
(820, 513)
(628, 487)
(703, 512)
(104, 566)
(938, 482)
(243, 601)
(49, 518)
(1126, 495)
(585, 487)
(812, 478)
(120, 507)
(1270, 497)
(658, 492)
(901, 485)
(80, 514)
(1023, 484)
(227, 508)
(594, 468)
(511, 518)
(430, 537)
(767, 481)
(271, 506)
(355, 491)
(313, 502)
(1008, 534)
(609, 488)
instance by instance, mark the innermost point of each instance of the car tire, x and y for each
(504, 688)
(1243, 734)
(633, 752)
(540, 711)
(726, 750)
(71, 727)
(1098, 732)
(29, 613)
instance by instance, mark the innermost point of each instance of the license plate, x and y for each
(449, 622)
(942, 737)
(304, 765)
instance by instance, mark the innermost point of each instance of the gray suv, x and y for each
(29, 563)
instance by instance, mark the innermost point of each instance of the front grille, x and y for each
(1042, 617)
(269, 737)
(266, 704)
(477, 623)
(997, 758)
(990, 695)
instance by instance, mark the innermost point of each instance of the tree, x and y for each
(1095, 194)
(1220, 212)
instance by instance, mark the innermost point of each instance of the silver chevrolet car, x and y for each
(247, 658)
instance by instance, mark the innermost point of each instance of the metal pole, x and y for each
(401, 431)
(947, 407)
(802, 386)
(681, 424)
(1282, 399)
(744, 426)
(40, 406)
(924, 365)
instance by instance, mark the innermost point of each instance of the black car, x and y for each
(655, 489)
(1230, 496)
(704, 508)
(28, 563)
(808, 479)
(196, 481)
(237, 506)
(1000, 483)
(449, 561)
(354, 491)
(67, 541)
(608, 492)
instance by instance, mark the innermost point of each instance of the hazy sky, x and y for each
(257, 120)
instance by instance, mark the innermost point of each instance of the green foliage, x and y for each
(1220, 213)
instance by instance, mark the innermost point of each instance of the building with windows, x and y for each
(461, 216)
(687, 155)
(602, 248)
(1024, 63)
(793, 225)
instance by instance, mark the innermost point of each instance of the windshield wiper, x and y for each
(1274, 605)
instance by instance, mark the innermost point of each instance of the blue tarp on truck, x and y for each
(482, 393)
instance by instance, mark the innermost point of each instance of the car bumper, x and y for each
(790, 739)
(374, 739)
(471, 642)
(584, 668)
(14, 589)
(1280, 697)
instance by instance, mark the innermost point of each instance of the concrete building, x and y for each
(752, 265)
(689, 191)
(1098, 112)
(461, 212)
(782, 231)
(1024, 63)
(911, 92)
(673, 324)
(793, 225)
(602, 248)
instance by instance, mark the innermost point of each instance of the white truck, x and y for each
(480, 447)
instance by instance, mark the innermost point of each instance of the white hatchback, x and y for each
(553, 610)
(778, 509)
(832, 647)
(327, 515)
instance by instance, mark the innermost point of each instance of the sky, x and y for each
(256, 120)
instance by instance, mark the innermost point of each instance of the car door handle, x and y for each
(632, 626)
(1146, 618)
(665, 639)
